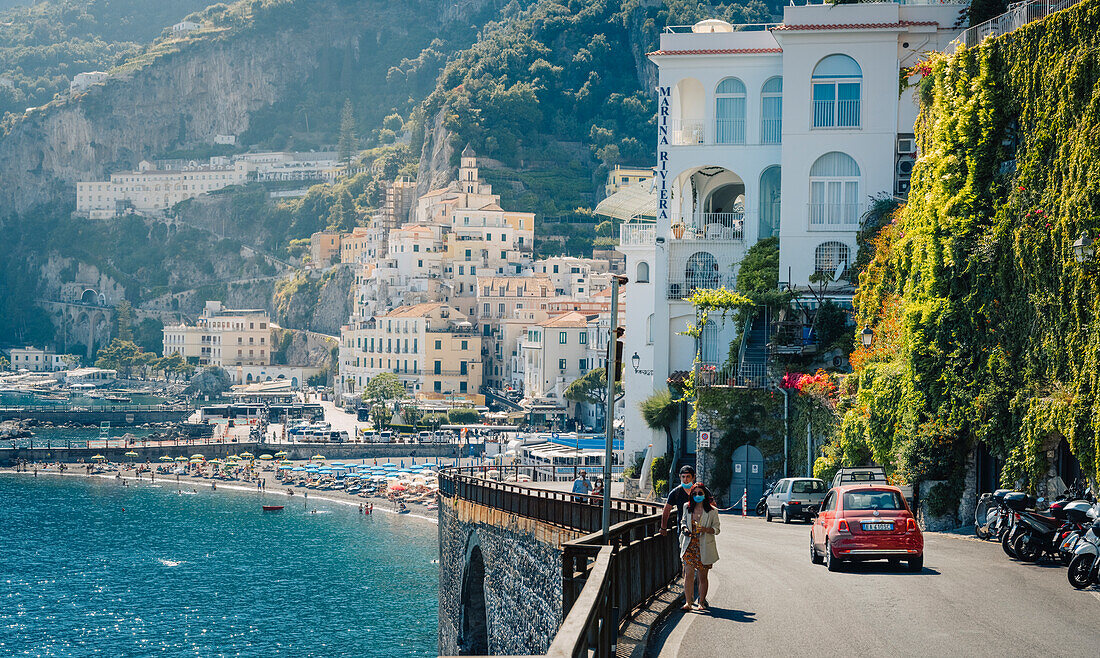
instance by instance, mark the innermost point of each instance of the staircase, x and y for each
(752, 366)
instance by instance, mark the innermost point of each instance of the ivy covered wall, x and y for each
(986, 327)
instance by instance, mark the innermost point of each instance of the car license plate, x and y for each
(878, 526)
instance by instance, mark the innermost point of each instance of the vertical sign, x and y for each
(704, 439)
(664, 109)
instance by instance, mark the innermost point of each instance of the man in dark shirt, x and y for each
(678, 496)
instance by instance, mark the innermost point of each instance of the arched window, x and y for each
(769, 202)
(834, 192)
(771, 111)
(729, 112)
(836, 91)
(831, 258)
(701, 271)
(643, 273)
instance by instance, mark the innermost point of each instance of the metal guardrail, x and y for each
(1017, 16)
(96, 407)
(604, 581)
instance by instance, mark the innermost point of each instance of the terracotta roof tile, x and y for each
(853, 26)
(719, 51)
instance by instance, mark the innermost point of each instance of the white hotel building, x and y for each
(765, 130)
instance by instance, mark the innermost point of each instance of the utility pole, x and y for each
(609, 417)
(809, 451)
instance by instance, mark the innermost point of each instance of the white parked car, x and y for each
(795, 498)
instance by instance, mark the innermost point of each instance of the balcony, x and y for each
(682, 286)
(836, 114)
(686, 131)
(713, 226)
(729, 131)
(833, 216)
(640, 234)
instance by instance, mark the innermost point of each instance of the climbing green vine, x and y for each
(991, 328)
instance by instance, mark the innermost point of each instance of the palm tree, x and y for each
(660, 412)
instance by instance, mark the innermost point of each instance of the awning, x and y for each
(637, 201)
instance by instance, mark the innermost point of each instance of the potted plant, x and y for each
(678, 230)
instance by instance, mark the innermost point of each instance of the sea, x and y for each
(92, 567)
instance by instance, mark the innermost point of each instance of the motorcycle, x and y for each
(990, 516)
(762, 505)
(1084, 568)
(1079, 516)
(1015, 504)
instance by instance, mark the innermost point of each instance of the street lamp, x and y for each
(1082, 248)
(635, 361)
(867, 336)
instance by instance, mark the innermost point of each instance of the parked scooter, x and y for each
(1079, 516)
(991, 516)
(1084, 568)
(1015, 503)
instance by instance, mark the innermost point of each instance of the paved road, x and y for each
(971, 599)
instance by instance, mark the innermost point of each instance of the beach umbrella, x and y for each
(318, 457)
(197, 456)
(233, 457)
(181, 459)
(196, 461)
(298, 469)
(165, 458)
(266, 457)
(247, 455)
(98, 458)
(281, 453)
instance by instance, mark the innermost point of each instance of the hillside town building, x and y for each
(773, 130)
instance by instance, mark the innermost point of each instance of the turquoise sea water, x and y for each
(89, 567)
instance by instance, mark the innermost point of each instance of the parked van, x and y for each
(385, 436)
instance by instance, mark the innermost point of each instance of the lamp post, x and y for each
(635, 361)
(867, 336)
(1083, 249)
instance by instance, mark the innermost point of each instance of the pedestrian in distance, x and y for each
(677, 496)
(582, 486)
(698, 550)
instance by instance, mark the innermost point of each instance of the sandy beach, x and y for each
(263, 483)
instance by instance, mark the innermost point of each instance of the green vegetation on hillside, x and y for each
(43, 45)
(985, 324)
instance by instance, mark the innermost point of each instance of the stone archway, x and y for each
(473, 638)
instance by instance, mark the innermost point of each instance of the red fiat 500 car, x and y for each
(866, 522)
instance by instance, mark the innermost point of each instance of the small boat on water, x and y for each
(116, 398)
(273, 508)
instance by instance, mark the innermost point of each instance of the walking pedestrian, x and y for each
(677, 496)
(698, 550)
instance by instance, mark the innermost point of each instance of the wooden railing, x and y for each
(605, 580)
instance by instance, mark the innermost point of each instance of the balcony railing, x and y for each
(715, 226)
(681, 286)
(833, 216)
(836, 114)
(686, 131)
(1017, 16)
(771, 131)
(729, 131)
(637, 234)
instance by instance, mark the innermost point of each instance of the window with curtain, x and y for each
(771, 111)
(769, 202)
(834, 192)
(836, 83)
(729, 112)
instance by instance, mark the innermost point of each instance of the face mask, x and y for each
(686, 485)
(698, 499)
